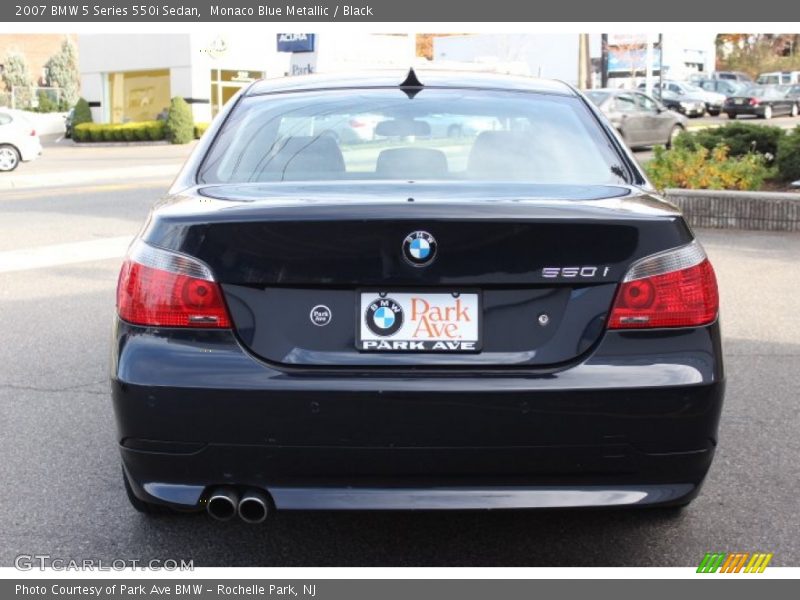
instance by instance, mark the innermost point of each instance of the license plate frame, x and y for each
(373, 340)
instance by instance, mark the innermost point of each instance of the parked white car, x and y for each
(778, 78)
(18, 140)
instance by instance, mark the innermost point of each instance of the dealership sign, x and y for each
(632, 60)
(216, 48)
(295, 42)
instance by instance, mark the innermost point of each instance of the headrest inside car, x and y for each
(502, 155)
(307, 157)
(411, 163)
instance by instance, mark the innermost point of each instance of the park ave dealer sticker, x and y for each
(419, 322)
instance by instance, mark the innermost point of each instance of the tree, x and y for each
(758, 52)
(180, 123)
(46, 103)
(62, 72)
(16, 72)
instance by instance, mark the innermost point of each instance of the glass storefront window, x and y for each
(138, 95)
(240, 77)
(226, 82)
(215, 99)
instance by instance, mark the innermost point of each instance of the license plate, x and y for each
(418, 322)
(738, 101)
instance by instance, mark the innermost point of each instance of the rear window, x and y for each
(597, 97)
(770, 79)
(385, 134)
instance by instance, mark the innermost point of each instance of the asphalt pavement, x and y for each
(62, 494)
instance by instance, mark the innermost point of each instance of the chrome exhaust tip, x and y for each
(222, 503)
(253, 507)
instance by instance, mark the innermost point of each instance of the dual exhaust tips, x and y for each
(224, 503)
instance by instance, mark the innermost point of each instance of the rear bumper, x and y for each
(744, 110)
(30, 149)
(693, 112)
(634, 423)
(338, 479)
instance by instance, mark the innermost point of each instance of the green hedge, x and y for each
(740, 139)
(744, 139)
(703, 169)
(128, 132)
(200, 129)
(142, 131)
(788, 158)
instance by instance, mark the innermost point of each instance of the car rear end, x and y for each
(748, 101)
(691, 107)
(396, 336)
(26, 138)
(713, 101)
(19, 141)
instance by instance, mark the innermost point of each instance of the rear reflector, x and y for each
(676, 288)
(165, 289)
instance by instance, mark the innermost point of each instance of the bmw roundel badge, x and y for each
(384, 317)
(419, 248)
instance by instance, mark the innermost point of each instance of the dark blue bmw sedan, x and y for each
(414, 291)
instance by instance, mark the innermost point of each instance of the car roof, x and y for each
(393, 78)
(14, 113)
(615, 91)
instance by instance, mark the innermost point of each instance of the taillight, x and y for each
(160, 288)
(676, 288)
(753, 101)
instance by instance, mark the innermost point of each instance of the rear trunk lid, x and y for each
(318, 275)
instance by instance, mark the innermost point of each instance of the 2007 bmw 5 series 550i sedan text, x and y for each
(414, 291)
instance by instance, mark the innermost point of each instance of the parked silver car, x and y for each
(639, 118)
(713, 100)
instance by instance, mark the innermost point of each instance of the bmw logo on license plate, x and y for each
(419, 248)
(384, 317)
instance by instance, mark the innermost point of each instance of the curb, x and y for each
(75, 144)
(724, 209)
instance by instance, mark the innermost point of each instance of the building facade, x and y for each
(133, 77)
(555, 56)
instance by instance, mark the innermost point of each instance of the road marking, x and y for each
(28, 180)
(63, 254)
(87, 189)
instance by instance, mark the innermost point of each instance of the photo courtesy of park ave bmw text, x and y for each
(355, 300)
